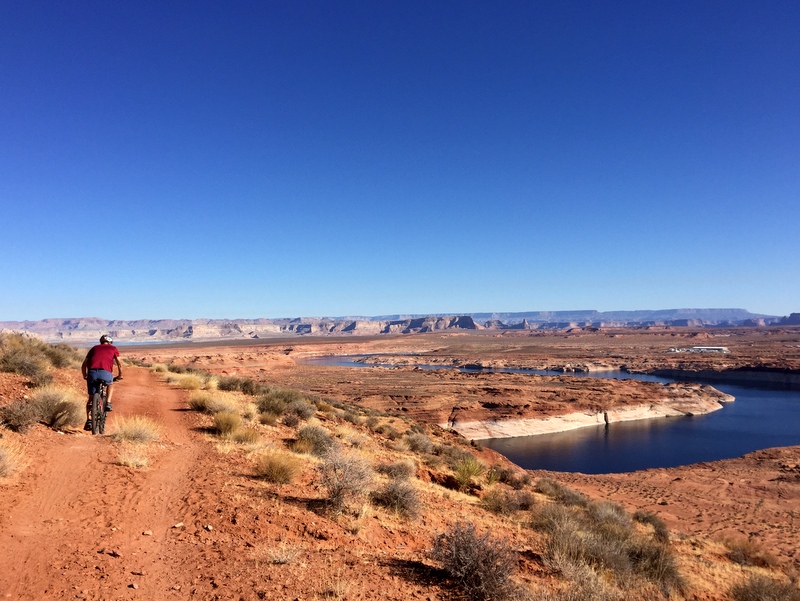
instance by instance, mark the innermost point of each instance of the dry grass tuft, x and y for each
(246, 436)
(227, 422)
(762, 588)
(747, 552)
(12, 459)
(137, 429)
(212, 402)
(278, 467)
(133, 456)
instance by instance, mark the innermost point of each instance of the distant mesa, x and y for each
(86, 330)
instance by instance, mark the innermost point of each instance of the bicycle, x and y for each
(98, 409)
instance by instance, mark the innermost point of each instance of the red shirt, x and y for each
(101, 356)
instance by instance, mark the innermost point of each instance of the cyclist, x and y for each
(99, 365)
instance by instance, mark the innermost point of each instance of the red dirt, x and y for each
(75, 524)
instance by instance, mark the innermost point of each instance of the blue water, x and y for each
(760, 418)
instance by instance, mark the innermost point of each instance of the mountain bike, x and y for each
(98, 409)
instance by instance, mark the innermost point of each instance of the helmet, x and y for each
(106, 338)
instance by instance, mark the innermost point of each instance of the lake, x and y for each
(760, 418)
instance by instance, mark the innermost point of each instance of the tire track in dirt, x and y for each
(76, 525)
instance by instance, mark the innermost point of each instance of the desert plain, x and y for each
(197, 523)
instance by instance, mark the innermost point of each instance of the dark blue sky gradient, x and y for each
(246, 159)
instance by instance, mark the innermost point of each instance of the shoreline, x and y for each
(533, 426)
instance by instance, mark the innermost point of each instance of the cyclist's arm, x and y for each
(85, 367)
(119, 367)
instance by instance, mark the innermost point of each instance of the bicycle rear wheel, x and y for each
(97, 408)
(102, 414)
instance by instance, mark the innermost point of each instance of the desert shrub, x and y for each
(762, 588)
(212, 402)
(290, 420)
(278, 467)
(136, 428)
(19, 415)
(482, 566)
(452, 455)
(25, 363)
(747, 552)
(159, 368)
(656, 562)
(246, 436)
(267, 419)
(467, 469)
(62, 355)
(510, 476)
(397, 470)
(11, 458)
(186, 381)
(352, 417)
(22, 355)
(318, 440)
(346, 477)
(301, 408)
(561, 493)
(227, 422)
(602, 537)
(268, 403)
(419, 443)
(372, 422)
(660, 530)
(399, 496)
(65, 414)
(240, 384)
(504, 502)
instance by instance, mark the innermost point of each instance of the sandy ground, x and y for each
(196, 524)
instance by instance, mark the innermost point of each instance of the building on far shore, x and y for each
(701, 349)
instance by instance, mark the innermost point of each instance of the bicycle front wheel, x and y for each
(97, 408)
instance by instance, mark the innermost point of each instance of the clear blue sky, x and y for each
(271, 159)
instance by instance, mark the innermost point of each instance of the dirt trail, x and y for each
(80, 526)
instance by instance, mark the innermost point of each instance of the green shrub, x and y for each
(467, 469)
(399, 496)
(762, 588)
(278, 467)
(482, 566)
(57, 407)
(346, 477)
